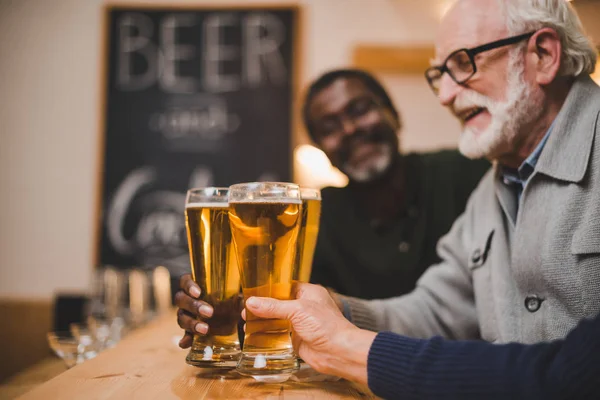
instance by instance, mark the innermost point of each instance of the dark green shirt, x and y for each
(358, 259)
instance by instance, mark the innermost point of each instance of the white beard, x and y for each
(522, 106)
(374, 170)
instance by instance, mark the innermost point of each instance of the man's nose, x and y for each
(448, 90)
(348, 126)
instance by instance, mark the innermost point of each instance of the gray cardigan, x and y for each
(526, 278)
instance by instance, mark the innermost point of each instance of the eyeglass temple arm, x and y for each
(500, 43)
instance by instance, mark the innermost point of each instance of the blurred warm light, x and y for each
(444, 7)
(596, 74)
(313, 168)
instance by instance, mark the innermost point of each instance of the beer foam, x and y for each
(262, 200)
(208, 353)
(310, 193)
(207, 205)
(260, 361)
(311, 197)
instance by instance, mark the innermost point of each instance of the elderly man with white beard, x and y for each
(522, 264)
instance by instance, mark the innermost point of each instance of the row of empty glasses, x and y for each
(120, 301)
(135, 295)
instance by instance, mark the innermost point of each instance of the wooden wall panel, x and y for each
(393, 59)
(23, 334)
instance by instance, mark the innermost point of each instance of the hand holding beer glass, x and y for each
(215, 270)
(265, 221)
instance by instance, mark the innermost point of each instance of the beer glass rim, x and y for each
(308, 193)
(207, 195)
(254, 192)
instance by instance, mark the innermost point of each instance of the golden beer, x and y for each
(265, 234)
(309, 230)
(215, 270)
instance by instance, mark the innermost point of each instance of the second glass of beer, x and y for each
(309, 231)
(265, 221)
(215, 270)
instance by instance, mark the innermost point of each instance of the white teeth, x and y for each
(471, 113)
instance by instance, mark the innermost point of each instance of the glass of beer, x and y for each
(215, 270)
(309, 230)
(265, 222)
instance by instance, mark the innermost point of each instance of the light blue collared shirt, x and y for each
(519, 177)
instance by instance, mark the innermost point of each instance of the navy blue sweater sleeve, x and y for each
(405, 368)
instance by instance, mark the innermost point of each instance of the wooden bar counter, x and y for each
(147, 364)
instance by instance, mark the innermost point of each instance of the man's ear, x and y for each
(394, 118)
(545, 55)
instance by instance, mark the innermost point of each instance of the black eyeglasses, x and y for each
(353, 111)
(460, 64)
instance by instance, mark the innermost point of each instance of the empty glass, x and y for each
(107, 332)
(67, 347)
(86, 338)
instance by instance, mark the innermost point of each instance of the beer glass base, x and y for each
(213, 357)
(221, 364)
(268, 368)
(279, 378)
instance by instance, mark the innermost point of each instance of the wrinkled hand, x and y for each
(321, 335)
(192, 312)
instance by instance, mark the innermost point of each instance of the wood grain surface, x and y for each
(147, 364)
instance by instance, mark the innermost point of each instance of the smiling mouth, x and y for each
(363, 153)
(469, 114)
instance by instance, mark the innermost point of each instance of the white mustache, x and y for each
(470, 99)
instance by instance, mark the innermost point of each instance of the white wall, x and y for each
(49, 81)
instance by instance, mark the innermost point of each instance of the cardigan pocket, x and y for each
(480, 253)
(586, 239)
(585, 247)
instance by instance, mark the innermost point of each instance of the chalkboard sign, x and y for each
(193, 97)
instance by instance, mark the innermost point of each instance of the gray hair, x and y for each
(578, 53)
